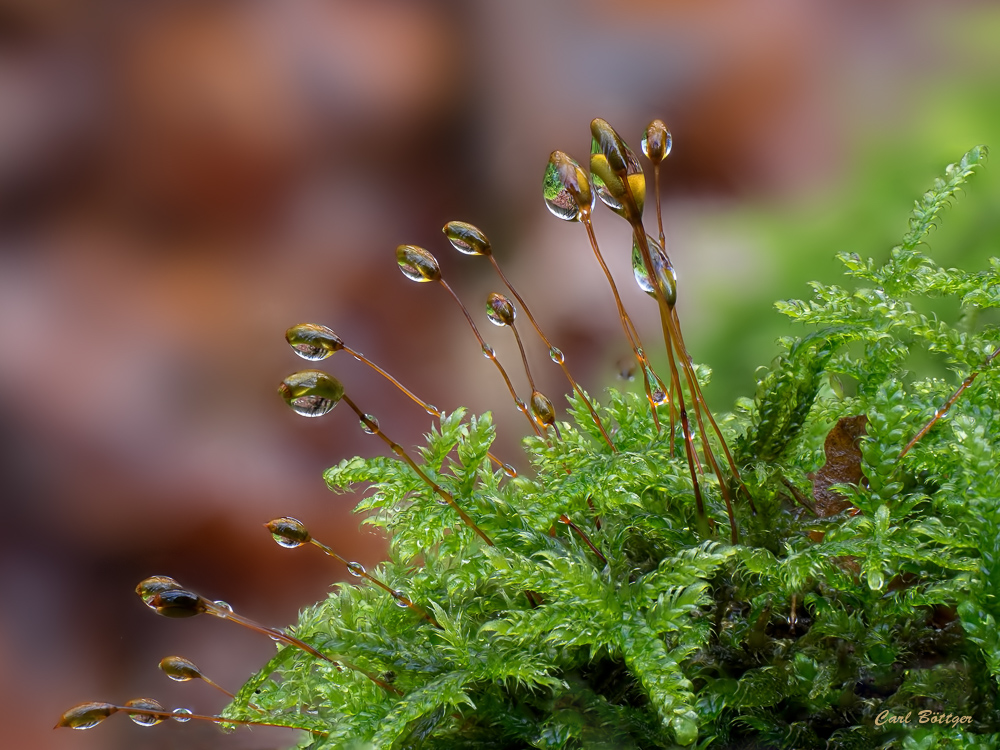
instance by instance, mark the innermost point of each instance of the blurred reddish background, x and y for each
(181, 181)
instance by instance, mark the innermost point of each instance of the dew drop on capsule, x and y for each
(223, 605)
(356, 569)
(178, 603)
(148, 588)
(556, 356)
(288, 532)
(369, 425)
(86, 715)
(610, 155)
(144, 719)
(566, 188)
(313, 342)
(417, 264)
(666, 278)
(311, 393)
(184, 715)
(656, 141)
(500, 310)
(659, 397)
(180, 669)
(467, 238)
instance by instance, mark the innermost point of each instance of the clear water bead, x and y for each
(402, 600)
(656, 141)
(356, 569)
(223, 605)
(489, 353)
(369, 425)
(510, 471)
(566, 188)
(556, 356)
(467, 238)
(184, 715)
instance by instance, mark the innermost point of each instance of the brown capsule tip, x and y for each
(313, 342)
(150, 587)
(180, 669)
(616, 170)
(86, 715)
(178, 603)
(467, 238)
(288, 532)
(542, 410)
(656, 141)
(417, 264)
(145, 719)
(500, 310)
(311, 393)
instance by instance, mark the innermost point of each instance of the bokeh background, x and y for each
(181, 181)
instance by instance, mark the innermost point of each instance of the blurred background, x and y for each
(181, 181)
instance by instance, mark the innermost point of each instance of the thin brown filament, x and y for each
(943, 409)
(398, 450)
(630, 332)
(430, 409)
(372, 579)
(545, 340)
(491, 355)
(185, 716)
(586, 539)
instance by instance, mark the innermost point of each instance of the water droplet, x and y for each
(369, 425)
(466, 238)
(557, 356)
(356, 569)
(656, 141)
(142, 719)
(542, 410)
(417, 264)
(313, 342)
(223, 605)
(178, 603)
(521, 406)
(666, 277)
(432, 410)
(402, 600)
(566, 188)
(180, 669)
(150, 587)
(489, 353)
(185, 715)
(659, 397)
(311, 393)
(288, 532)
(86, 715)
(510, 471)
(610, 157)
(500, 310)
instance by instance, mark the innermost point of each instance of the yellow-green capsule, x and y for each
(467, 238)
(611, 162)
(311, 393)
(150, 587)
(417, 264)
(656, 142)
(500, 310)
(86, 715)
(313, 342)
(566, 188)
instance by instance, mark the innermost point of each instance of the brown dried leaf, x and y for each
(843, 465)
